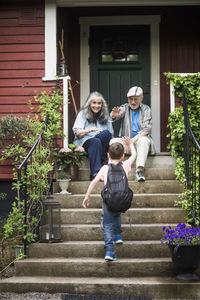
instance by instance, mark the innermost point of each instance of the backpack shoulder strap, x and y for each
(114, 169)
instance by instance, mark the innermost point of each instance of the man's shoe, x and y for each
(140, 176)
(110, 256)
(118, 239)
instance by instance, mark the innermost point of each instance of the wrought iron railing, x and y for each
(22, 171)
(191, 155)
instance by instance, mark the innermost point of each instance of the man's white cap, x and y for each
(135, 91)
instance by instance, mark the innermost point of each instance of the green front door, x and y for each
(119, 59)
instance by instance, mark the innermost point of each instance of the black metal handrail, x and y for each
(191, 156)
(23, 166)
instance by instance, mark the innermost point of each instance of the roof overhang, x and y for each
(87, 3)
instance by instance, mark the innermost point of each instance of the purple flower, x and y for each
(181, 235)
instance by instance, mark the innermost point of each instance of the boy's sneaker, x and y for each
(118, 239)
(140, 176)
(110, 256)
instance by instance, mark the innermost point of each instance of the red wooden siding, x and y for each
(179, 53)
(21, 61)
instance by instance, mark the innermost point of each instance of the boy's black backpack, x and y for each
(116, 193)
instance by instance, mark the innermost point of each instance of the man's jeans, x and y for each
(111, 226)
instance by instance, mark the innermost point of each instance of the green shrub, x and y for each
(176, 125)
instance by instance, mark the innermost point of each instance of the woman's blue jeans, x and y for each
(97, 149)
(111, 226)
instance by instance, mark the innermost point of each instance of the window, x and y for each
(119, 51)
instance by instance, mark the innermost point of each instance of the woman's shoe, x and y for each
(92, 177)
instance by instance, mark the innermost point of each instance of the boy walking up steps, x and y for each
(112, 220)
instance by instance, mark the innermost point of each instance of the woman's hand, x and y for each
(81, 132)
(115, 113)
(92, 129)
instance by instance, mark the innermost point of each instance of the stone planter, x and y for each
(64, 184)
(186, 260)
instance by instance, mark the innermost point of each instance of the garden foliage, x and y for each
(191, 85)
(39, 166)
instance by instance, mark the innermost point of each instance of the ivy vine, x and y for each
(191, 85)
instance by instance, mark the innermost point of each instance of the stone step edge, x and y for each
(78, 209)
(123, 225)
(136, 242)
(132, 181)
(135, 195)
(98, 280)
(90, 260)
(154, 287)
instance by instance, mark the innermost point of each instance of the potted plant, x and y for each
(184, 245)
(70, 159)
(63, 179)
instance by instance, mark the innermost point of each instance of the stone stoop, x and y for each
(76, 265)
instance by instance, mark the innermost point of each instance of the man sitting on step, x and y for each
(136, 122)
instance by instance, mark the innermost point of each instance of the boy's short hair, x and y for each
(116, 150)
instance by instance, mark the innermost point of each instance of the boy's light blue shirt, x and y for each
(82, 123)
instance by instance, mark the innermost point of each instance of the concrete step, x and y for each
(130, 232)
(160, 160)
(147, 187)
(131, 249)
(149, 173)
(153, 287)
(78, 267)
(134, 215)
(139, 200)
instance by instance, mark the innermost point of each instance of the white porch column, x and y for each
(50, 40)
(65, 110)
(155, 83)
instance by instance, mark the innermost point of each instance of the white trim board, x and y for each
(50, 40)
(95, 3)
(172, 91)
(153, 21)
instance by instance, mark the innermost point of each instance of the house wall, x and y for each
(179, 45)
(179, 53)
(21, 61)
(22, 52)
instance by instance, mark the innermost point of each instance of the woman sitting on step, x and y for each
(93, 130)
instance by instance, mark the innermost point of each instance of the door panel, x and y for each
(119, 59)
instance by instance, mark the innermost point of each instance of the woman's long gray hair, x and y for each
(102, 116)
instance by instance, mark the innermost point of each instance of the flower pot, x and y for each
(63, 184)
(186, 260)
